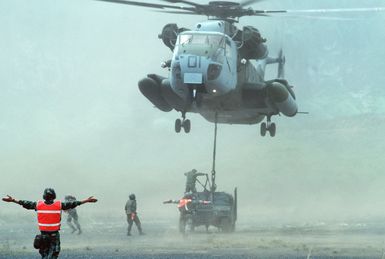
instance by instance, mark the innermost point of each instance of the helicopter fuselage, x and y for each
(214, 72)
(206, 72)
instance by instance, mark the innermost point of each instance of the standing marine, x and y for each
(49, 220)
(72, 214)
(191, 178)
(132, 215)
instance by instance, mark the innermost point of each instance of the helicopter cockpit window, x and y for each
(185, 39)
(210, 45)
(202, 39)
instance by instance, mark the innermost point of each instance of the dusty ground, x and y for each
(108, 240)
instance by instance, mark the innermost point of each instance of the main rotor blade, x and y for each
(319, 11)
(184, 2)
(249, 2)
(260, 12)
(339, 10)
(160, 6)
(177, 12)
(312, 17)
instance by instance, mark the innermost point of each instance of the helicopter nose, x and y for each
(191, 69)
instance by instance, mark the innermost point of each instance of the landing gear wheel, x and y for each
(178, 125)
(263, 129)
(186, 126)
(272, 129)
(182, 123)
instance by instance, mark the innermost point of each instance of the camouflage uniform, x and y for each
(132, 216)
(72, 215)
(191, 178)
(52, 248)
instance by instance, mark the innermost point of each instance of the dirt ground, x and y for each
(106, 239)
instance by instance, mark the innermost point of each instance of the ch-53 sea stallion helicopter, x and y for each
(217, 70)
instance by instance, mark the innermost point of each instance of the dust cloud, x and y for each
(72, 117)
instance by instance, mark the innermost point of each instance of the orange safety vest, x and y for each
(183, 203)
(48, 216)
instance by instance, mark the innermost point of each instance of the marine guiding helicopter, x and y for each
(218, 70)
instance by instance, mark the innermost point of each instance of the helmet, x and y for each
(69, 198)
(132, 196)
(188, 195)
(49, 194)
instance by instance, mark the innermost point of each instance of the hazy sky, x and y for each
(72, 117)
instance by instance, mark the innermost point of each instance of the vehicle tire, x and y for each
(190, 224)
(182, 225)
(272, 129)
(187, 126)
(232, 227)
(226, 225)
(178, 125)
(263, 129)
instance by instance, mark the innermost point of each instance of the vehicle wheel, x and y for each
(182, 224)
(226, 225)
(187, 126)
(232, 227)
(272, 129)
(189, 224)
(178, 125)
(263, 129)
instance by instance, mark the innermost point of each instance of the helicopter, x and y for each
(218, 70)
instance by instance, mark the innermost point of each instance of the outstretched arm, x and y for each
(73, 204)
(10, 199)
(171, 201)
(29, 205)
(89, 199)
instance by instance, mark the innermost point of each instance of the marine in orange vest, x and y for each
(186, 206)
(48, 220)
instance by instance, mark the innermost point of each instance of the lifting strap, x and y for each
(214, 186)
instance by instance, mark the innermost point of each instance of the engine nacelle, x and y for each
(252, 44)
(169, 35)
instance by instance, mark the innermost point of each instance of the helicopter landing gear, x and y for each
(182, 123)
(268, 126)
(178, 125)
